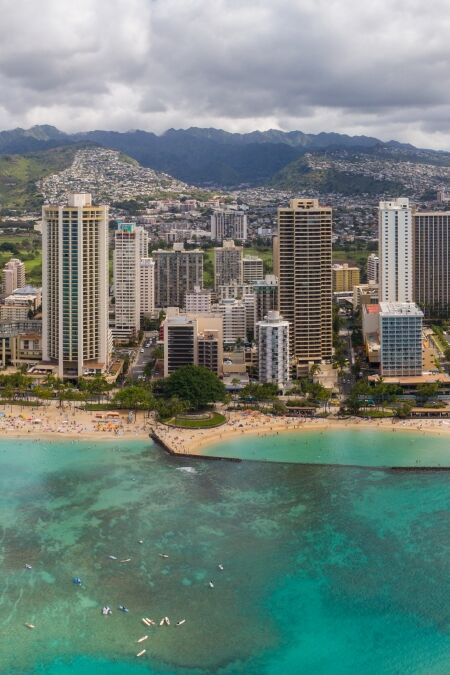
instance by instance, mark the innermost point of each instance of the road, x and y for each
(142, 359)
(138, 369)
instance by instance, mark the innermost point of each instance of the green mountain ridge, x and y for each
(19, 173)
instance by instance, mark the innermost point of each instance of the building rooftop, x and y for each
(26, 290)
(400, 309)
(372, 309)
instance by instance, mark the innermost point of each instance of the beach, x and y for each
(51, 421)
(69, 422)
(194, 441)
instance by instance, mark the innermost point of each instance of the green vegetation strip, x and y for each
(186, 422)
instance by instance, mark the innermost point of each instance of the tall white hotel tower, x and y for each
(395, 238)
(75, 333)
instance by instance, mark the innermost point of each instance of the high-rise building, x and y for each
(176, 272)
(395, 241)
(192, 339)
(75, 333)
(198, 300)
(233, 290)
(252, 269)
(266, 296)
(401, 339)
(228, 225)
(128, 247)
(345, 277)
(147, 278)
(273, 350)
(305, 294)
(373, 268)
(227, 264)
(432, 263)
(13, 276)
(249, 301)
(234, 314)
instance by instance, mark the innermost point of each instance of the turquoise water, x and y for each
(326, 569)
(348, 447)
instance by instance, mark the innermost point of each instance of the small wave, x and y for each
(187, 469)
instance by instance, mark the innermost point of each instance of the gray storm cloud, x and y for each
(381, 67)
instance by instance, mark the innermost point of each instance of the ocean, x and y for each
(326, 569)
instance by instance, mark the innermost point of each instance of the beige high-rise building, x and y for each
(13, 276)
(305, 285)
(177, 272)
(127, 288)
(147, 277)
(227, 264)
(345, 277)
(373, 268)
(432, 263)
(75, 334)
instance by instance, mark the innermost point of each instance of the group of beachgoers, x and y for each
(52, 420)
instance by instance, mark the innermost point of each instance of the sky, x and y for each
(374, 67)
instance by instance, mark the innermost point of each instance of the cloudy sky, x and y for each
(378, 67)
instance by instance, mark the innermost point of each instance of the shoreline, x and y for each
(192, 442)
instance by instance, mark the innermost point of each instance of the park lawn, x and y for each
(31, 255)
(358, 258)
(216, 420)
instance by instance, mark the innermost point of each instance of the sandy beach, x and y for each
(192, 442)
(52, 421)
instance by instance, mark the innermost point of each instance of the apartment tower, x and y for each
(75, 333)
(228, 225)
(303, 261)
(227, 264)
(177, 272)
(147, 278)
(395, 241)
(273, 350)
(373, 268)
(13, 276)
(127, 269)
(432, 263)
(252, 269)
(345, 277)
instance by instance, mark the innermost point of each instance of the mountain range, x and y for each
(216, 158)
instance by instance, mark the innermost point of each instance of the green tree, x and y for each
(260, 392)
(404, 410)
(134, 397)
(279, 408)
(167, 408)
(425, 392)
(95, 387)
(196, 385)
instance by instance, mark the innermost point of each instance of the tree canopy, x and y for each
(134, 397)
(196, 385)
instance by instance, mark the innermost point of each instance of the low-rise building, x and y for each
(345, 277)
(365, 294)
